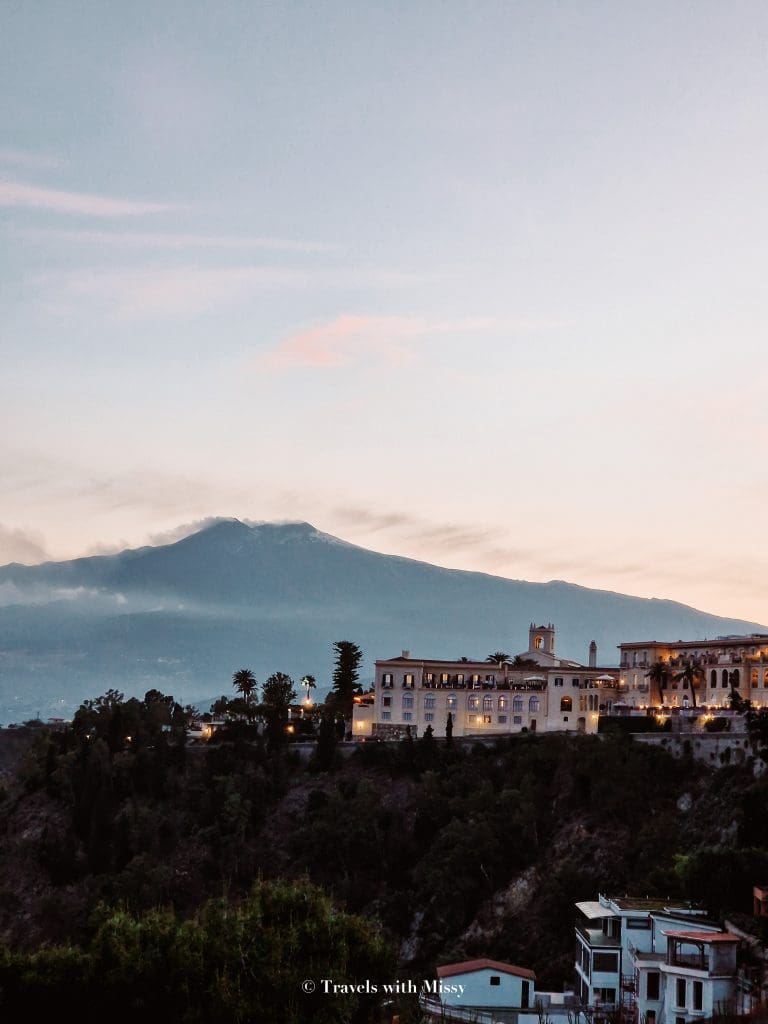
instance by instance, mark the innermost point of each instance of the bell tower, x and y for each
(541, 639)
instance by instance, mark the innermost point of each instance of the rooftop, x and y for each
(468, 966)
(703, 936)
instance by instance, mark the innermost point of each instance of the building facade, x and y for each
(536, 692)
(660, 964)
(718, 668)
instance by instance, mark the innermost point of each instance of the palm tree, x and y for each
(659, 674)
(690, 676)
(308, 682)
(244, 681)
(498, 657)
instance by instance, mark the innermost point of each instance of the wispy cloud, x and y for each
(23, 158)
(389, 339)
(189, 291)
(21, 194)
(162, 240)
(21, 546)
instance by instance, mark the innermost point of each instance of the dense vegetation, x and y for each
(116, 835)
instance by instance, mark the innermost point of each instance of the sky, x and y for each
(482, 284)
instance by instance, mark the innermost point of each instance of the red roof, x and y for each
(468, 966)
(704, 936)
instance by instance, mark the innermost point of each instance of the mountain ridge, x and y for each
(182, 616)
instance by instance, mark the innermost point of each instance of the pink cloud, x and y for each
(19, 194)
(351, 338)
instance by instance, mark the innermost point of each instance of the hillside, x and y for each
(181, 617)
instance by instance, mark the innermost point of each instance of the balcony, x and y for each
(694, 961)
(596, 937)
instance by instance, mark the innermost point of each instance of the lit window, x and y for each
(443, 678)
(566, 704)
(503, 703)
(408, 680)
(473, 703)
(451, 703)
(460, 678)
(486, 719)
(386, 679)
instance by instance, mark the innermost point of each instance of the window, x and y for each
(407, 702)
(473, 703)
(408, 680)
(386, 715)
(765, 678)
(680, 992)
(407, 716)
(639, 922)
(753, 677)
(443, 678)
(517, 704)
(566, 704)
(460, 678)
(490, 679)
(652, 985)
(487, 703)
(486, 719)
(606, 995)
(386, 679)
(430, 677)
(475, 679)
(471, 719)
(725, 678)
(502, 719)
(558, 681)
(503, 703)
(494, 979)
(574, 682)
(517, 719)
(450, 703)
(605, 962)
(525, 995)
(534, 704)
(698, 995)
(650, 1017)
(429, 701)
(429, 716)
(386, 701)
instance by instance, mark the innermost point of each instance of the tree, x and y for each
(449, 730)
(244, 681)
(277, 695)
(521, 662)
(498, 657)
(659, 674)
(308, 683)
(690, 677)
(345, 677)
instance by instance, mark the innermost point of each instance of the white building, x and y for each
(535, 691)
(479, 990)
(661, 964)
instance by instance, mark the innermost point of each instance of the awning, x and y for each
(592, 910)
(535, 679)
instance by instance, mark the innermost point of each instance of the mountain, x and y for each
(182, 617)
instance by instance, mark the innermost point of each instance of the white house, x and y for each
(487, 990)
(659, 963)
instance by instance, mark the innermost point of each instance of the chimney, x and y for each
(593, 655)
(406, 654)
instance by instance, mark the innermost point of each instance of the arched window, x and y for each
(735, 677)
(713, 677)
(725, 678)
(753, 677)
(534, 705)
(517, 705)
(503, 703)
(538, 643)
(765, 678)
(566, 704)
(487, 703)
(473, 703)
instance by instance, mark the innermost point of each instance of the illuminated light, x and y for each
(289, 728)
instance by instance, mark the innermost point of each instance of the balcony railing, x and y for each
(698, 961)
